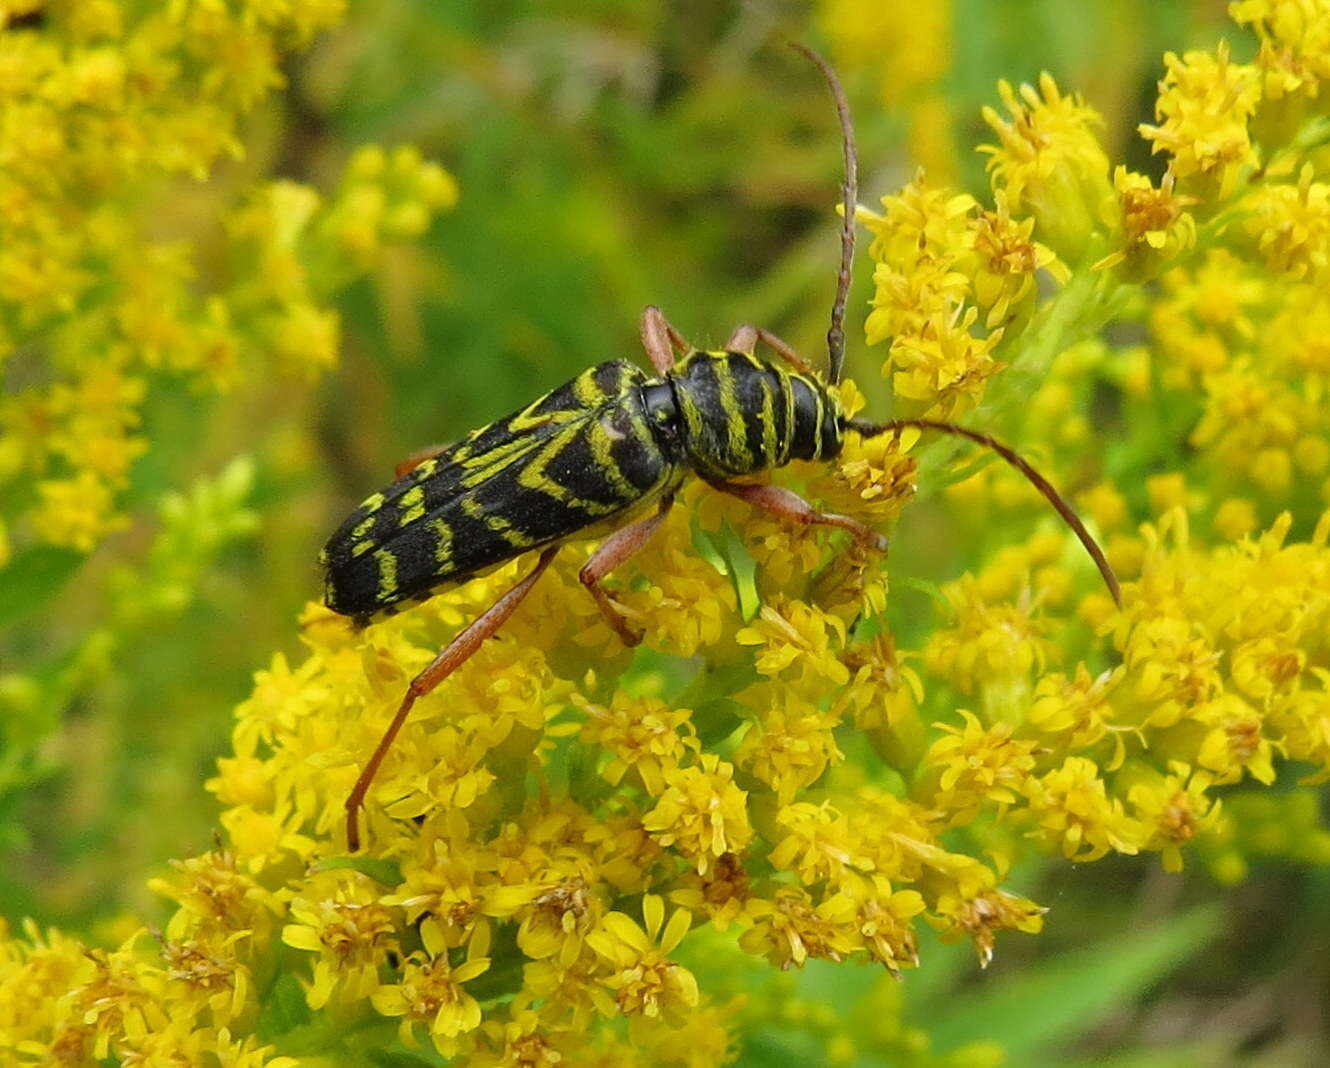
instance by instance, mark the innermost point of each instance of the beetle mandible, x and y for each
(600, 449)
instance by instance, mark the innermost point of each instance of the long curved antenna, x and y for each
(871, 430)
(850, 194)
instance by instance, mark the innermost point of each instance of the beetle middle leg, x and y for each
(745, 339)
(613, 551)
(790, 506)
(450, 658)
(661, 339)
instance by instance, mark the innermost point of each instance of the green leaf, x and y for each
(386, 872)
(284, 1009)
(1034, 1012)
(33, 577)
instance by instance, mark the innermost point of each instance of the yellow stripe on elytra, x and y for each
(372, 503)
(496, 523)
(363, 527)
(387, 575)
(424, 469)
(486, 465)
(412, 504)
(533, 476)
(601, 439)
(587, 390)
(443, 547)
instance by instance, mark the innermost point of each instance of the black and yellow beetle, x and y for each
(600, 449)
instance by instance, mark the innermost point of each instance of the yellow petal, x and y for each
(679, 925)
(627, 932)
(653, 911)
(301, 937)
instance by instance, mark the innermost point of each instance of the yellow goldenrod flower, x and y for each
(77, 512)
(818, 845)
(643, 736)
(430, 991)
(1151, 226)
(1006, 261)
(922, 240)
(971, 765)
(1204, 106)
(790, 929)
(722, 894)
(702, 813)
(1294, 59)
(1049, 163)
(798, 643)
(339, 918)
(1290, 225)
(981, 915)
(994, 645)
(791, 743)
(1074, 811)
(645, 981)
(886, 923)
(1173, 809)
(1080, 704)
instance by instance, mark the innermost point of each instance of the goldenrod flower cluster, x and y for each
(564, 838)
(111, 114)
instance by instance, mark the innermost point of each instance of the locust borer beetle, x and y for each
(600, 451)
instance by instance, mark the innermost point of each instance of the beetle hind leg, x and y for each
(450, 658)
(410, 463)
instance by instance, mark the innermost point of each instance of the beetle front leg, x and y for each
(451, 657)
(790, 506)
(661, 339)
(745, 339)
(613, 551)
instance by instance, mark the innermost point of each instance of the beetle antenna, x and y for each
(850, 197)
(1059, 503)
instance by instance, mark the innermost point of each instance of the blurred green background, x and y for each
(610, 154)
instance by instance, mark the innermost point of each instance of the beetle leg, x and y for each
(661, 339)
(789, 505)
(406, 466)
(745, 339)
(451, 657)
(613, 551)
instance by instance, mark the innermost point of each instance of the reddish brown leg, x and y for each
(789, 505)
(613, 551)
(413, 461)
(452, 656)
(661, 340)
(745, 339)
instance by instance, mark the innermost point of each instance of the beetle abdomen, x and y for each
(577, 456)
